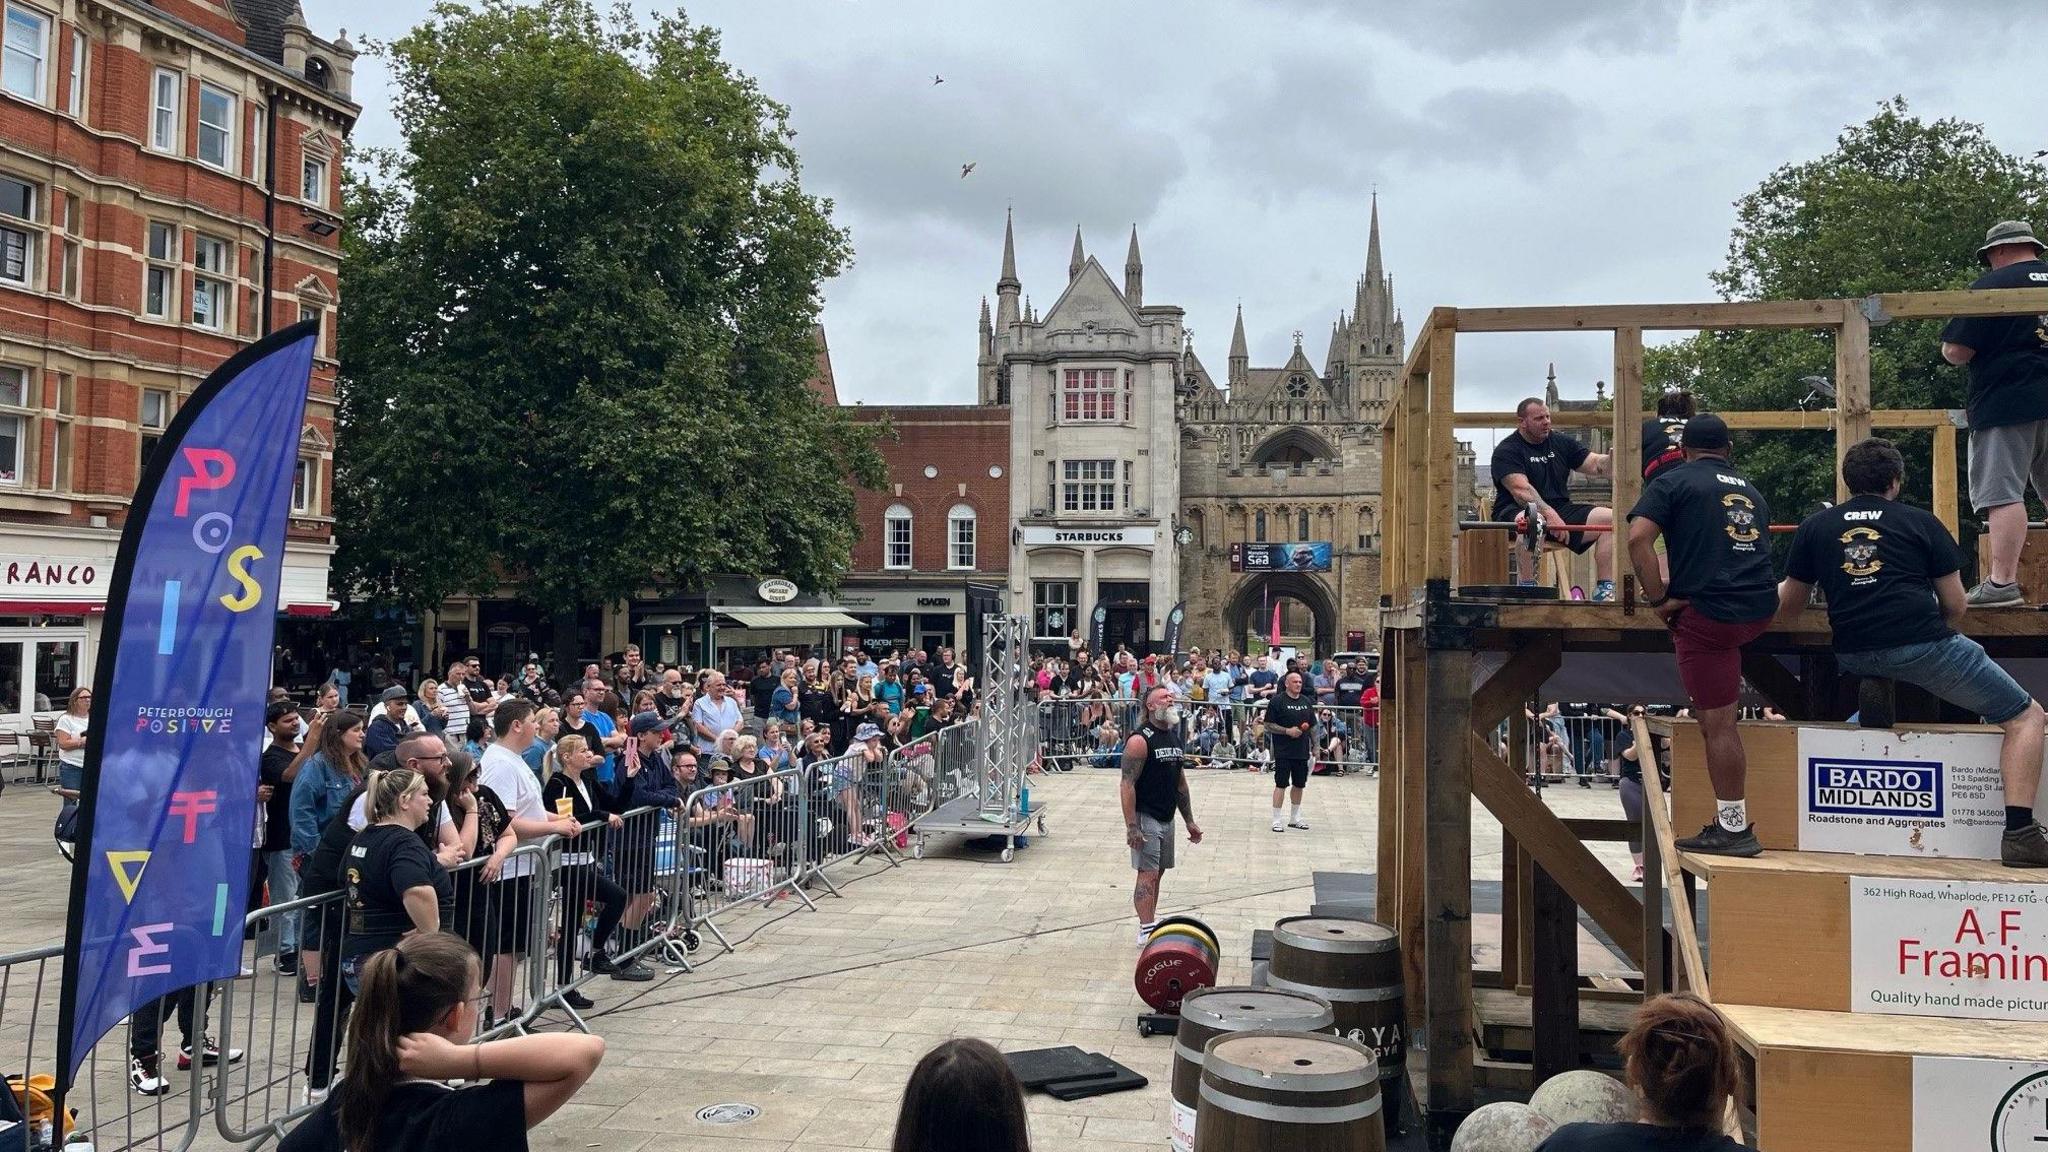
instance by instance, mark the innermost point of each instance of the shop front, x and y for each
(905, 617)
(54, 583)
(736, 622)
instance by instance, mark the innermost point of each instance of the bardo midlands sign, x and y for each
(1901, 793)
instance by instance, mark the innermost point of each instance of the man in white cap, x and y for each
(2007, 404)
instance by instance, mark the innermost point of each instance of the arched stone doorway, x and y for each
(1250, 609)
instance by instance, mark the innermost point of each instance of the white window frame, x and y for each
(306, 486)
(1046, 595)
(960, 539)
(164, 265)
(217, 283)
(150, 426)
(74, 95)
(1088, 486)
(22, 418)
(312, 185)
(226, 132)
(71, 271)
(165, 133)
(29, 228)
(62, 447)
(897, 526)
(11, 46)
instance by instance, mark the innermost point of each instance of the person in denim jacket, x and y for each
(327, 778)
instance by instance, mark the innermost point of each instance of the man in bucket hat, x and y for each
(2008, 404)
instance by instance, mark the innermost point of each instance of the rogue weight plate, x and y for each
(1197, 925)
(1170, 968)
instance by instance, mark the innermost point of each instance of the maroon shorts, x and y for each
(1710, 657)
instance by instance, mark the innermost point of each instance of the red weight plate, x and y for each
(1172, 967)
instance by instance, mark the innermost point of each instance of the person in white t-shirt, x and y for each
(70, 738)
(504, 771)
(714, 712)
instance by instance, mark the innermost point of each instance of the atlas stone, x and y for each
(1583, 1096)
(1502, 1127)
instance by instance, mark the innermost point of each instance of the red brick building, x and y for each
(942, 523)
(170, 180)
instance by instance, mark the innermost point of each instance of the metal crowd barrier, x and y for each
(749, 844)
(1570, 743)
(1090, 733)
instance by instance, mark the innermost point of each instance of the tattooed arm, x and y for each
(1127, 789)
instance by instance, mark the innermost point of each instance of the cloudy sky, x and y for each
(1524, 152)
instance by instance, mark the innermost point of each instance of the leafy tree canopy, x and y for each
(579, 322)
(1900, 205)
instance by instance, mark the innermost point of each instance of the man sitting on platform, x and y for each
(1894, 587)
(1532, 469)
(1722, 595)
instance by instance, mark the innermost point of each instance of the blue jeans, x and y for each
(1954, 668)
(284, 888)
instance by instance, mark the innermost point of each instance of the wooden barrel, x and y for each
(1273, 1091)
(1214, 1012)
(1356, 966)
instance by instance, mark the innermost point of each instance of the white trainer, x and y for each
(1279, 825)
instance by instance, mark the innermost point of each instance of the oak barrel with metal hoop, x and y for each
(1273, 1091)
(1356, 966)
(1214, 1012)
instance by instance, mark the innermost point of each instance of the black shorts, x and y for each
(1290, 773)
(514, 900)
(1576, 514)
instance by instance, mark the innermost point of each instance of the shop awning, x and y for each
(320, 609)
(791, 618)
(52, 607)
(670, 620)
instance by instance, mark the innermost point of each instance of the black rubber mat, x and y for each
(1041, 1066)
(1124, 1080)
(1262, 944)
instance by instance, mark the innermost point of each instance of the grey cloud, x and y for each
(1462, 30)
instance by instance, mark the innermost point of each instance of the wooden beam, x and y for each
(1516, 869)
(1515, 682)
(1442, 456)
(1414, 479)
(1627, 462)
(1545, 838)
(1414, 820)
(1554, 996)
(1945, 507)
(1937, 305)
(1677, 886)
(1659, 317)
(1815, 421)
(1447, 884)
(1852, 390)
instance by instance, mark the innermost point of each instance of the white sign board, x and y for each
(1963, 1104)
(1881, 792)
(1099, 537)
(1948, 948)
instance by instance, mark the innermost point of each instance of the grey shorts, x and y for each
(2004, 459)
(1156, 855)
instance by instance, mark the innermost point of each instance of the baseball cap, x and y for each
(644, 722)
(1705, 432)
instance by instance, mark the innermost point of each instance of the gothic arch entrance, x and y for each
(1250, 611)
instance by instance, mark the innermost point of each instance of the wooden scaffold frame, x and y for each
(1437, 752)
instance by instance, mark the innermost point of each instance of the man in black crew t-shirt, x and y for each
(2008, 404)
(1290, 726)
(1894, 589)
(1533, 466)
(1721, 595)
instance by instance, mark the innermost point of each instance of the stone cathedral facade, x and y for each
(1138, 479)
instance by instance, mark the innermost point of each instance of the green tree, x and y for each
(1899, 205)
(578, 333)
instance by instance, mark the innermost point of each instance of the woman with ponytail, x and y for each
(1682, 1063)
(395, 887)
(410, 1034)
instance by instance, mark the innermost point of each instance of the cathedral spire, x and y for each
(1240, 359)
(1373, 268)
(1134, 274)
(1007, 284)
(1079, 257)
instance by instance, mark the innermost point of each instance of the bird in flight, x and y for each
(965, 169)
(938, 79)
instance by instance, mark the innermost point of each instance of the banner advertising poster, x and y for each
(1972, 948)
(1883, 792)
(1996, 1105)
(168, 814)
(1305, 556)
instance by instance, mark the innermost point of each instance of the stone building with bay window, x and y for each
(169, 193)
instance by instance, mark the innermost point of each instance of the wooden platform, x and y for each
(1834, 1082)
(1780, 922)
